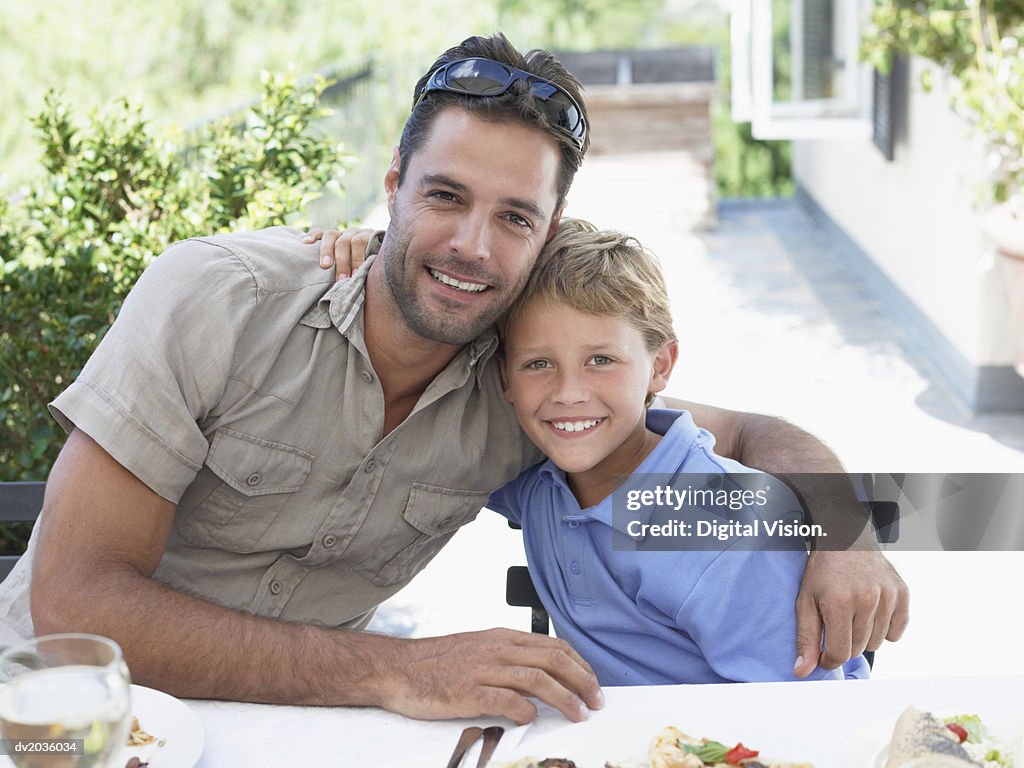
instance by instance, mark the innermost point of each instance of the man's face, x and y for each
(476, 205)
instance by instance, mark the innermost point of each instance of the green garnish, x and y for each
(995, 756)
(710, 752)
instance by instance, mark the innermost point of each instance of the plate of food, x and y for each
(165, 732)
(672, 748)
(920, 739)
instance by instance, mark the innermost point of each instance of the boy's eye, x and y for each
(536, 365)
(600, 360)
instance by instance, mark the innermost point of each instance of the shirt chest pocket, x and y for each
(430, 518)
(241, 492)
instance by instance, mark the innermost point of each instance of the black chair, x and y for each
(521, 593)
(20, 502)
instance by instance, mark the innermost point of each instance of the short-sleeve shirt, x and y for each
(659, 617)
(236, 383)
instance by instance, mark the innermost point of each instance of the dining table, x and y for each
(828, 724)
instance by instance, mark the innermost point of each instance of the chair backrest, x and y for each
(20, 502)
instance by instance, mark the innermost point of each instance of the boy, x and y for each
(585, 348)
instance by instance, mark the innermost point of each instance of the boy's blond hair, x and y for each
(602, 272)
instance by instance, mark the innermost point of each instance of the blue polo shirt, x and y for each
(659, 618)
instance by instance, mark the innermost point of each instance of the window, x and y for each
(795, 69)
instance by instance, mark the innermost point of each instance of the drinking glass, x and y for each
(65, 702)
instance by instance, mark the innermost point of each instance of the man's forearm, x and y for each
(802, 461)
(191, 648)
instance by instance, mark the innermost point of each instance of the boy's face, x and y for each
(578, 383)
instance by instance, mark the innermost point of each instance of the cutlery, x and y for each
(469, 735)
(492, 736)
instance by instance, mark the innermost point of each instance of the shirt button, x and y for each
(367, 376)
(370, 466)
(576, 568)
(574, 523)
(275, 587)
(254, 479)
(330, 540)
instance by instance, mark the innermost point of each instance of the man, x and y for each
(256, 458)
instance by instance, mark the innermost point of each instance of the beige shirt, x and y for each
(236, 383)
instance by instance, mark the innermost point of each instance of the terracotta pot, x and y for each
(1005, 225)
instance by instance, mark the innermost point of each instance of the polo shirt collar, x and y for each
(678, 434)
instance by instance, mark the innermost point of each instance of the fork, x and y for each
(492, 735)
(469, 735)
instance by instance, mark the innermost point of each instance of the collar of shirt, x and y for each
(342, 305)
(679, 433)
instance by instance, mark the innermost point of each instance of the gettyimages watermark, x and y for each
(752, 510)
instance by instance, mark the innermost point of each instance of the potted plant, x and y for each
(979, 43)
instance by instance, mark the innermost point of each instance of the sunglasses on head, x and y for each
(486, 77)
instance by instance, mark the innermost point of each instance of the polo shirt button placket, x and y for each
(367, 377)
(576, 568)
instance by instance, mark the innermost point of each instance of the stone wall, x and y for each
(655, 101)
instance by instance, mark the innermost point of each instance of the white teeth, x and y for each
(470, 287)
(574, 426)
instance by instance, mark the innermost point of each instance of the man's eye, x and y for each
(441, 194)
(520, 221)
(600, 360)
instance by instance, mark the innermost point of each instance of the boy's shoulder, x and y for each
(689, 447)
(533, 488)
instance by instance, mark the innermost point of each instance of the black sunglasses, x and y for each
(486, 77)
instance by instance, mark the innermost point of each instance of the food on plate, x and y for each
(922, 740)
(138, 737)
(672, 748)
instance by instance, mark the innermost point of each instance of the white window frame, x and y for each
(753, 88)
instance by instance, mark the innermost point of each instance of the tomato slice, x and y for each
(739, 752)
(959, 730)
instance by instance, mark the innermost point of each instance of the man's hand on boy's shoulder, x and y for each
(858, 596)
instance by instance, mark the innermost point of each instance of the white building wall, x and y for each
(915, 218)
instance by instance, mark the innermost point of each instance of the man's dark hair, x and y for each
(515, 105)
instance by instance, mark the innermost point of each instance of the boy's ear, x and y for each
(391, 179)
(661, 368)
(504, 380)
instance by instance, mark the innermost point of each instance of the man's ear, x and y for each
(661, 368)
(504, 379)
(391, 179)
(555, 220)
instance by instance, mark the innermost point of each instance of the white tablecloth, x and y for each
(822, 723)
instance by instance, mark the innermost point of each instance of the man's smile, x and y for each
(461, 285)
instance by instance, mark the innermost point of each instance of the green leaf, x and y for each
(710, 752)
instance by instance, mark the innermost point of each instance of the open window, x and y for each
(795, 69)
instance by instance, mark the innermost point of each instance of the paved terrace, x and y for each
(771, 320)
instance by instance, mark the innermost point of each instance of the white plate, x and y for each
(179, 734)
(868, 747)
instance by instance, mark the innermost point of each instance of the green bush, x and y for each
(115, 194)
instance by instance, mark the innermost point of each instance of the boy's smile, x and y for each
(578, 382)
